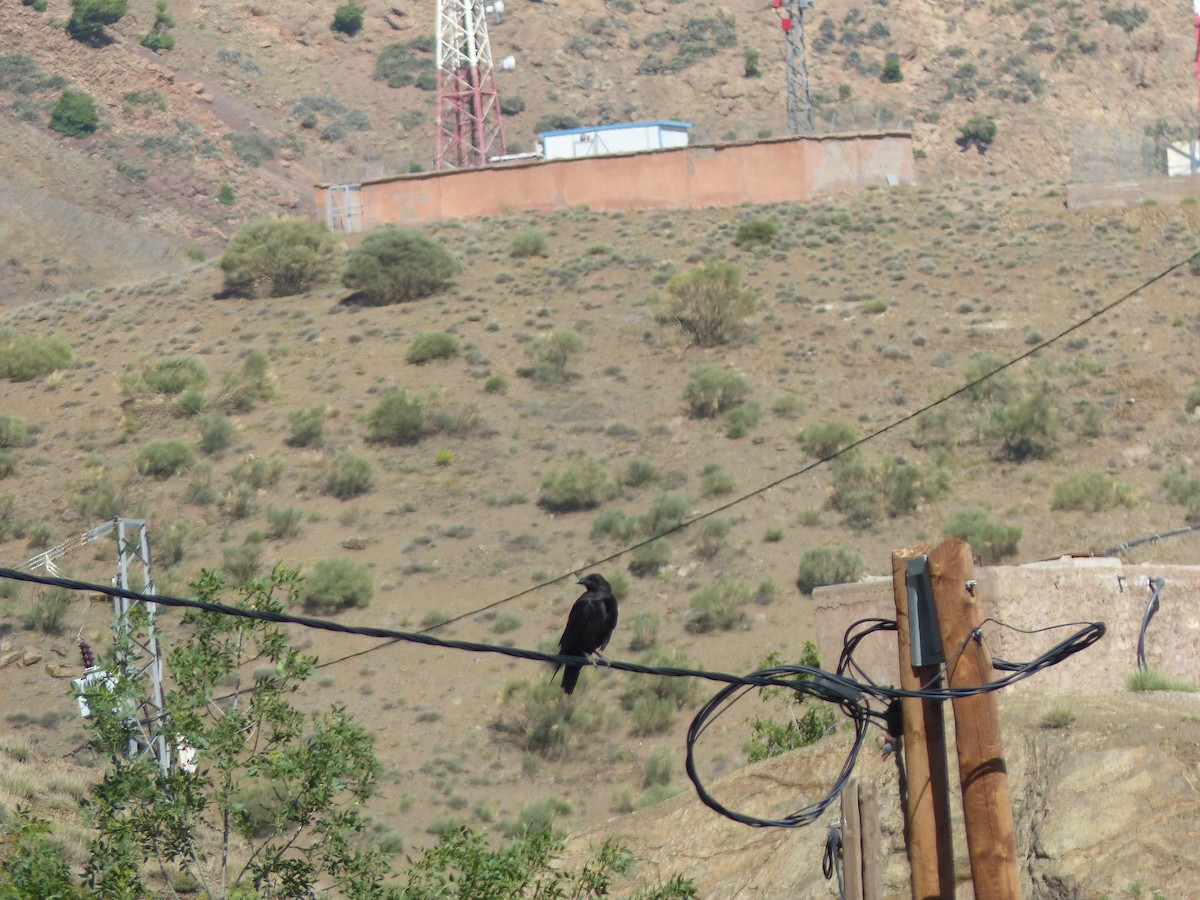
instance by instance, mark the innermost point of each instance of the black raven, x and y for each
(590, 624)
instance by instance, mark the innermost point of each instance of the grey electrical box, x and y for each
(925, 643)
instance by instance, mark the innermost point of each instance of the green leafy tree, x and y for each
(74, 114)
(393, 265)
(806, 723)
(30, 864)
(88, 18)
(979, 131)
(272, 807)
(276, 257)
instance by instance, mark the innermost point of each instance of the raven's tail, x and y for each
(570, 676)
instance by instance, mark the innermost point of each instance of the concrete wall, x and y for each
(1041, 594)
(789, 169)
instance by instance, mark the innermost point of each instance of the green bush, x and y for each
(216, 433)
(162, 459)
(27, 357)
(583, 484)
(998, 388)
(614, 523)
(711, 391)
(393, 265)
(824, 440)
(1027, 428)
(337, 583)
(284, 522)
(891, 73)
(276, 257)
(348, 18)
(639, 472)
(649, 559)
(709, 303)
(979, 131)
(48, 613)
(1126, 17)
(258, 472)
(855, 492)
(716, 481)
(159, 37)
(988, 538)
(741, 418)
(397, 419)
(167, 377)
(74, 114)
(97, 495)
(551, 354)
(756, 233)
(751, 64)
(306, 426)
(243, 562)
(666, 512)
(8, 465)
(828, 565)
(88, 18)
(1193, 397)
(906, 487)
(512, 104)
(400, 65)
(541, 719)
(350, 475)
(530, 242)
(1090, 491)
(432, 345)
(225, 195)
(556, 122)
(13, 431)
(252, 148)
(718, 607)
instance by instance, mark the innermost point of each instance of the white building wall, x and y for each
(600, 141)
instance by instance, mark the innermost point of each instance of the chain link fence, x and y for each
(1109, 154)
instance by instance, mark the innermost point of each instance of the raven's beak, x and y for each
(580, 581)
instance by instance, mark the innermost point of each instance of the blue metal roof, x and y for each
(666, 123)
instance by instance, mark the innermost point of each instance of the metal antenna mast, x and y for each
(468, 108)
(139, 657)
(799, 100)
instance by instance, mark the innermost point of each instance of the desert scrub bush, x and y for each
(74, 114)
(350, 475)
(252, 148)
(253, 384)
(666, 513)
(216, 433)
(13, 431)
(645, 627)
(306, 427)
(716, 481)
(1154, 680)
(551, 356)
(821, 441)
(26, 357)
(337, 583)
(713, 532)
(718, 607)
(649, 559)
(397, 419)
(394, 265)
(988, 538)
(709, 304)
(276, 257)
(8, 463)
(348, 18)
(855, 492)
(639, 472)
(1091, 491)
(828, 565)
(284, 522)
(165, 377)
(244, 562)
(530, 242)
(615, 524)
(159, 36)
(757, 232)
(583, 484)
(741, 418)
(162, 459)
(540, 718)
(997, 388)
(431, 345)
(97, 495)
(88, 18)
(1027, 428)
(1182, 489)
(47, 615)
(259, 472)
(770, 737)
(711, 391)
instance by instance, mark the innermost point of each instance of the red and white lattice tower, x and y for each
(468, 108)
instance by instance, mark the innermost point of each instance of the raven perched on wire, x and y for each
(590, 624)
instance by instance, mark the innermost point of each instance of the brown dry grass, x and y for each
(962, 270)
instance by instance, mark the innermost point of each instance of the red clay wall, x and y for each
(689, 177)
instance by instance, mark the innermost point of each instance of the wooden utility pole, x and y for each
(851, 843)
(927, 794)
(987, 809)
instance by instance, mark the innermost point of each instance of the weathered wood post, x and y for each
(987, 808)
